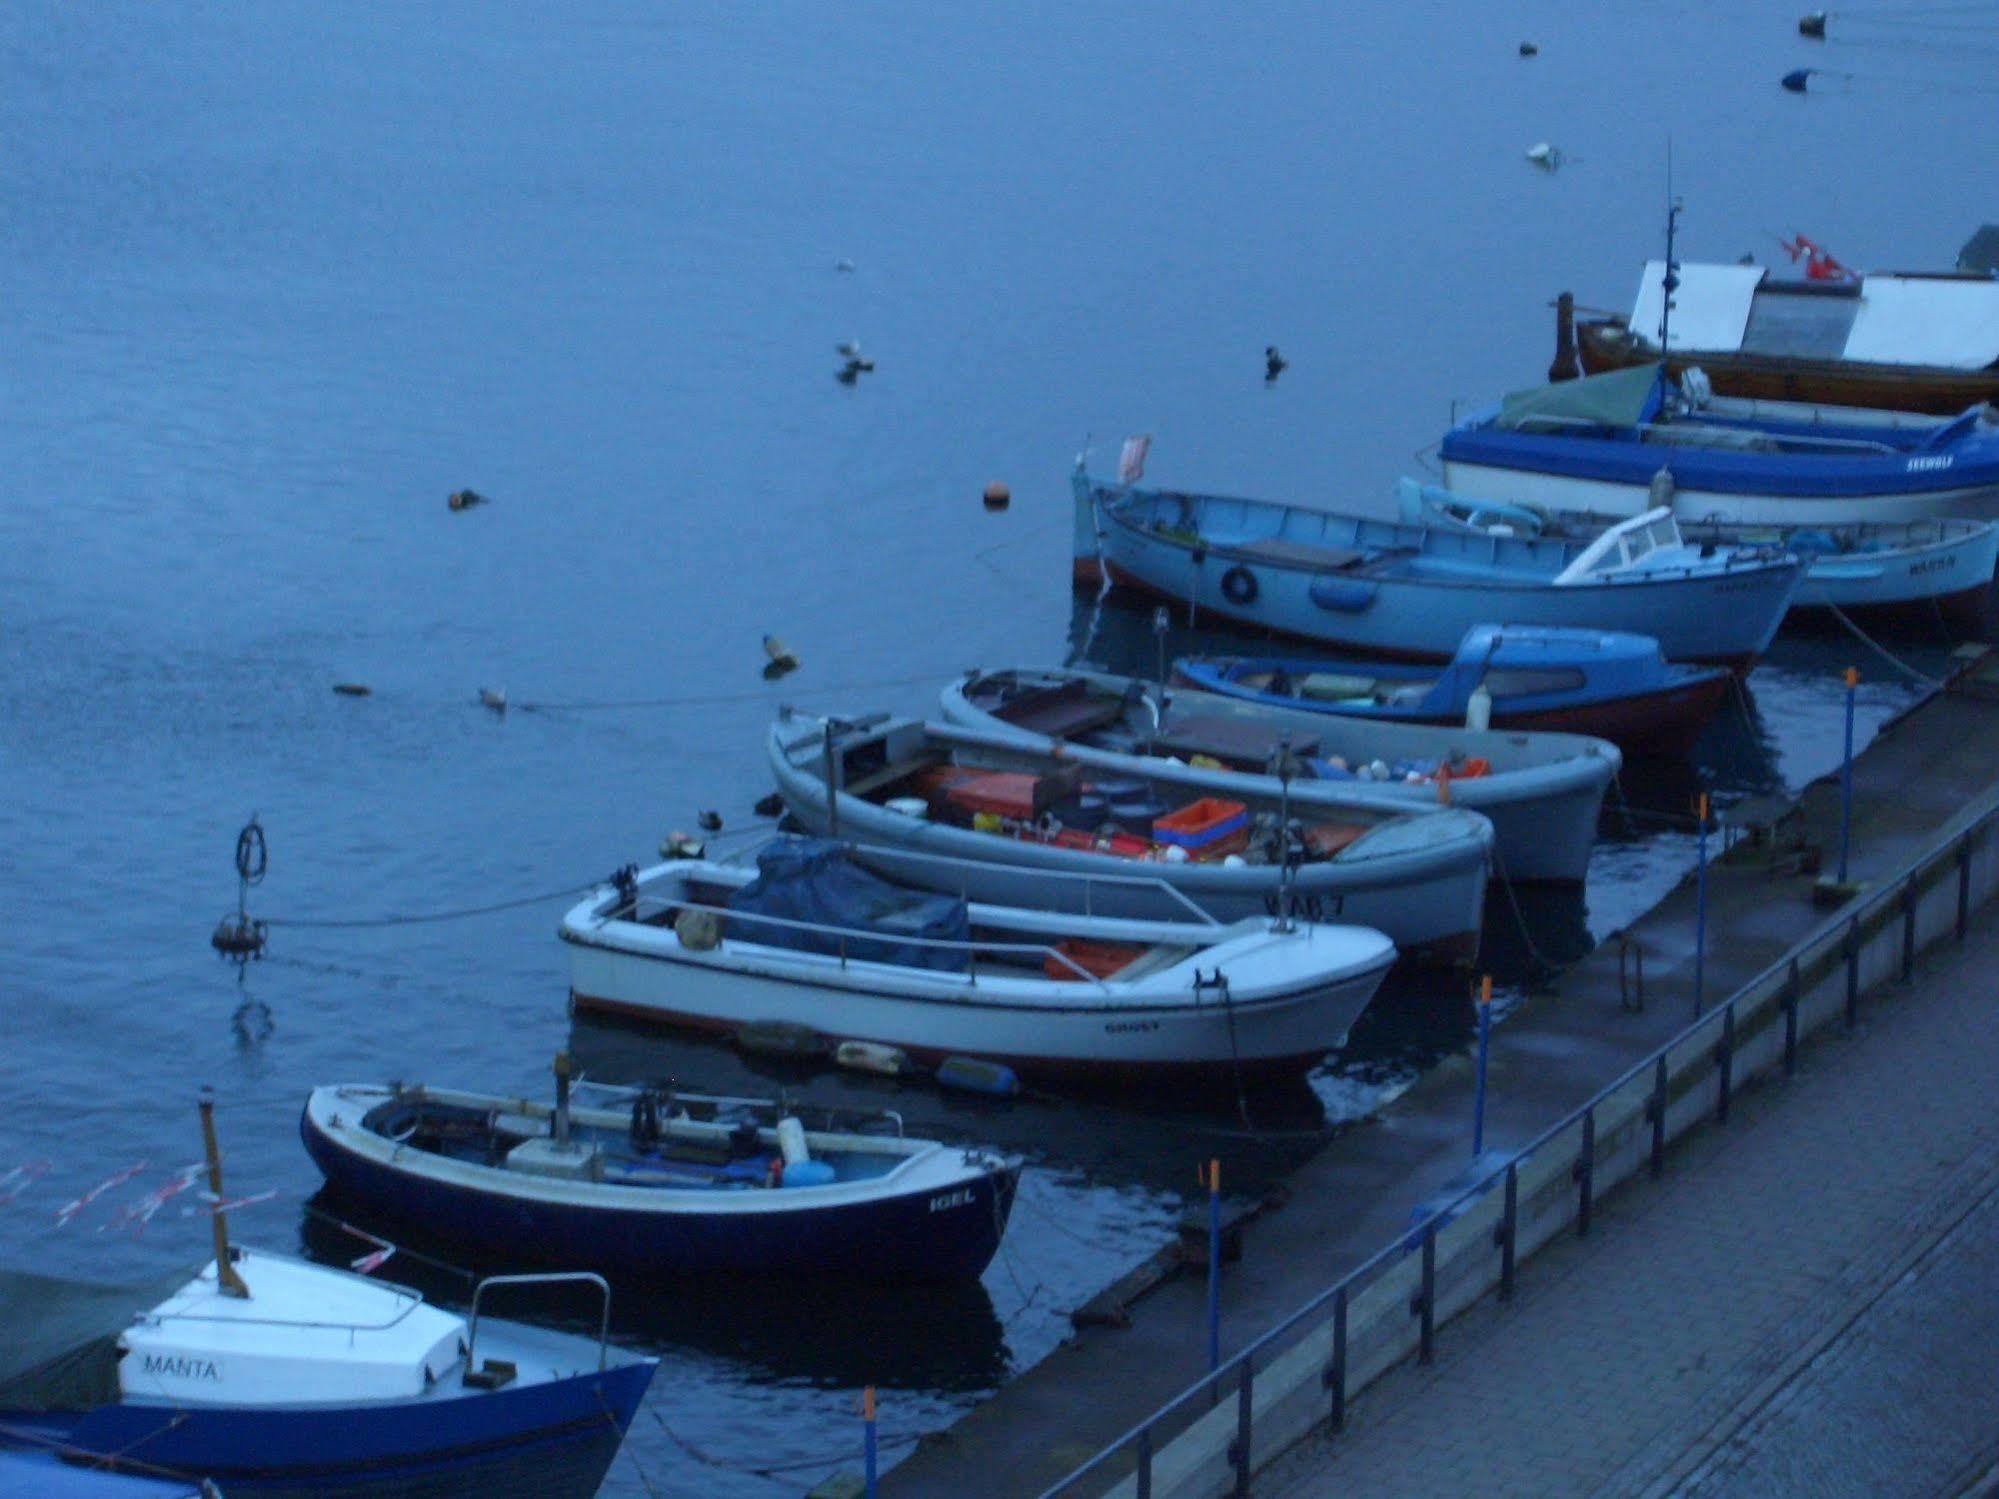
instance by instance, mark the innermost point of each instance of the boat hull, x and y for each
(1661, 724)
(1729, 620)
(1621, 497)
(551, 1440)
(924, 1235)
(1543, 806)
(1420, 880)
(1606, 345)
(1283, 1032)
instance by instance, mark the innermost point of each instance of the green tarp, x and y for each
(1622, 398)
(58, 1338)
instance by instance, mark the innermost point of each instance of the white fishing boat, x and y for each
(1542, 791)
(808, 938)
(949, 808)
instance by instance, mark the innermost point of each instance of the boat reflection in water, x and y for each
(943, 1338)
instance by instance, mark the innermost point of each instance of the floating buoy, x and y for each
(494, 698)
(780, 1038)
(1528, 49)
(873, 1056)
(351, 689)
(1812, 24)
(998, 496)
(465, 499)
(238, 937)
(1273, 363)
(1795, 80)
(1545, 156)
(976, 1075)
(781, 659)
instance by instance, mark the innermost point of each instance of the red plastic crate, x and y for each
(1200, 823)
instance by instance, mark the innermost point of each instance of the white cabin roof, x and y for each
(306, 1335)
(1710, 308)
(1949, 322)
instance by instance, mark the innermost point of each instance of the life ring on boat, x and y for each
(1239, 585)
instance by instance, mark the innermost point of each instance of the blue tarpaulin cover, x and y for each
(811, 879)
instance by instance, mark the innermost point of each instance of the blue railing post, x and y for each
(1700, 907)
(1484, 1006)
(1846, 775)
(1214, 1186)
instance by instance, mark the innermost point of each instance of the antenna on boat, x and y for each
(1671, 282)
(1284, 767)
(227, 1281)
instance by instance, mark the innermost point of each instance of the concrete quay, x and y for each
(1931, 771)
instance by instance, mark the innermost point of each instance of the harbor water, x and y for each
(283, 277)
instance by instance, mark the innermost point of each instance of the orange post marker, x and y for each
(868, 1403)
(1853, 676)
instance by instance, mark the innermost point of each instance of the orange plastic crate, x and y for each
(1200, 823)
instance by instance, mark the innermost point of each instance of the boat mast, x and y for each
(227, 1281)
(1671, 283)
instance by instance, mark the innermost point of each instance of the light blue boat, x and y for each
(1598, 445)
(1941, 567)
(1412, 591)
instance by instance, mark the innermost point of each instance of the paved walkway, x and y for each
(1807, 1303)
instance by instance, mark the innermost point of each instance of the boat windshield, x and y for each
(1625, 546)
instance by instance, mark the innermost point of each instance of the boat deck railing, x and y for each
(546, 1278)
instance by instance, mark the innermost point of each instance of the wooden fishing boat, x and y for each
(1910, 342)
(1542, 792)
(1600, 445)
(640, 1183)
(1413, 590)
(1615, 687)
(898, 794)
(808, 938)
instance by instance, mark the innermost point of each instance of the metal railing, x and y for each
(1622, 1126)
(551, 1278)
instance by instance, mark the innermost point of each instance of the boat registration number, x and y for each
(958, 1199)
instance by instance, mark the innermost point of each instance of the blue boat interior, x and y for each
(641, 1150)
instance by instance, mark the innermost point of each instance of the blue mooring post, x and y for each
(1700, 905)
(1846, 774)
(1484, 1006)
(868, 1448)
(1214, 1185)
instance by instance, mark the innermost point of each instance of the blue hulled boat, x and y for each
(674, 1184)
(1412, 591)
(274, 1376)
(1598, 445)
(1616, 687)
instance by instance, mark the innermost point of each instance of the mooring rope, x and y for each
(1875, 646)
(421, 918)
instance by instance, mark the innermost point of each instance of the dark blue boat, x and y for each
(1611, 685)
(309, 1381)
(680, 1184)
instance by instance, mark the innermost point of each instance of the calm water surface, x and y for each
(280, 277)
